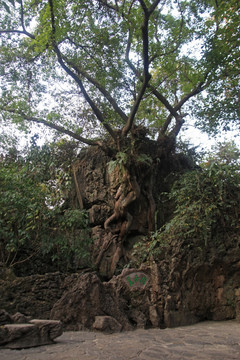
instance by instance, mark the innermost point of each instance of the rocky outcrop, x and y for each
(91, 303)
(183, 288)
(201, 281)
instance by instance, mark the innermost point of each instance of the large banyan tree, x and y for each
(124, 76)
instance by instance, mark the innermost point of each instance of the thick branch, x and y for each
(164, 101)
(103, 90)
(144, 7)
(165, 126)
(153, 6)
(94, 107)
(131, 117)
(178, 126)
(160, 97)
(146, 75)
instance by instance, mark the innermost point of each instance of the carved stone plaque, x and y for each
(136, 279)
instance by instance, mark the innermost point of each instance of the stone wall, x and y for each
(34, 295)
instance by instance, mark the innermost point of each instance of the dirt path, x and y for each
(203, 341)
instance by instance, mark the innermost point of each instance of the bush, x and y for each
(206, 205)
(35, 220)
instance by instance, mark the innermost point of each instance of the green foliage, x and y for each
(120, 161)
(150, 247)
(35, 219)
(206, 205)
(21, 210)
(127, 159)
(222, 51)
(70, 241)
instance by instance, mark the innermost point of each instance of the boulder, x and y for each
(106, 324)
(17, 336)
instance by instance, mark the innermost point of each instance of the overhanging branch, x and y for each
(59, 128)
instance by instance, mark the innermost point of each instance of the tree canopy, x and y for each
(87, 68)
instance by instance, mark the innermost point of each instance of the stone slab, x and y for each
(35, 333)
